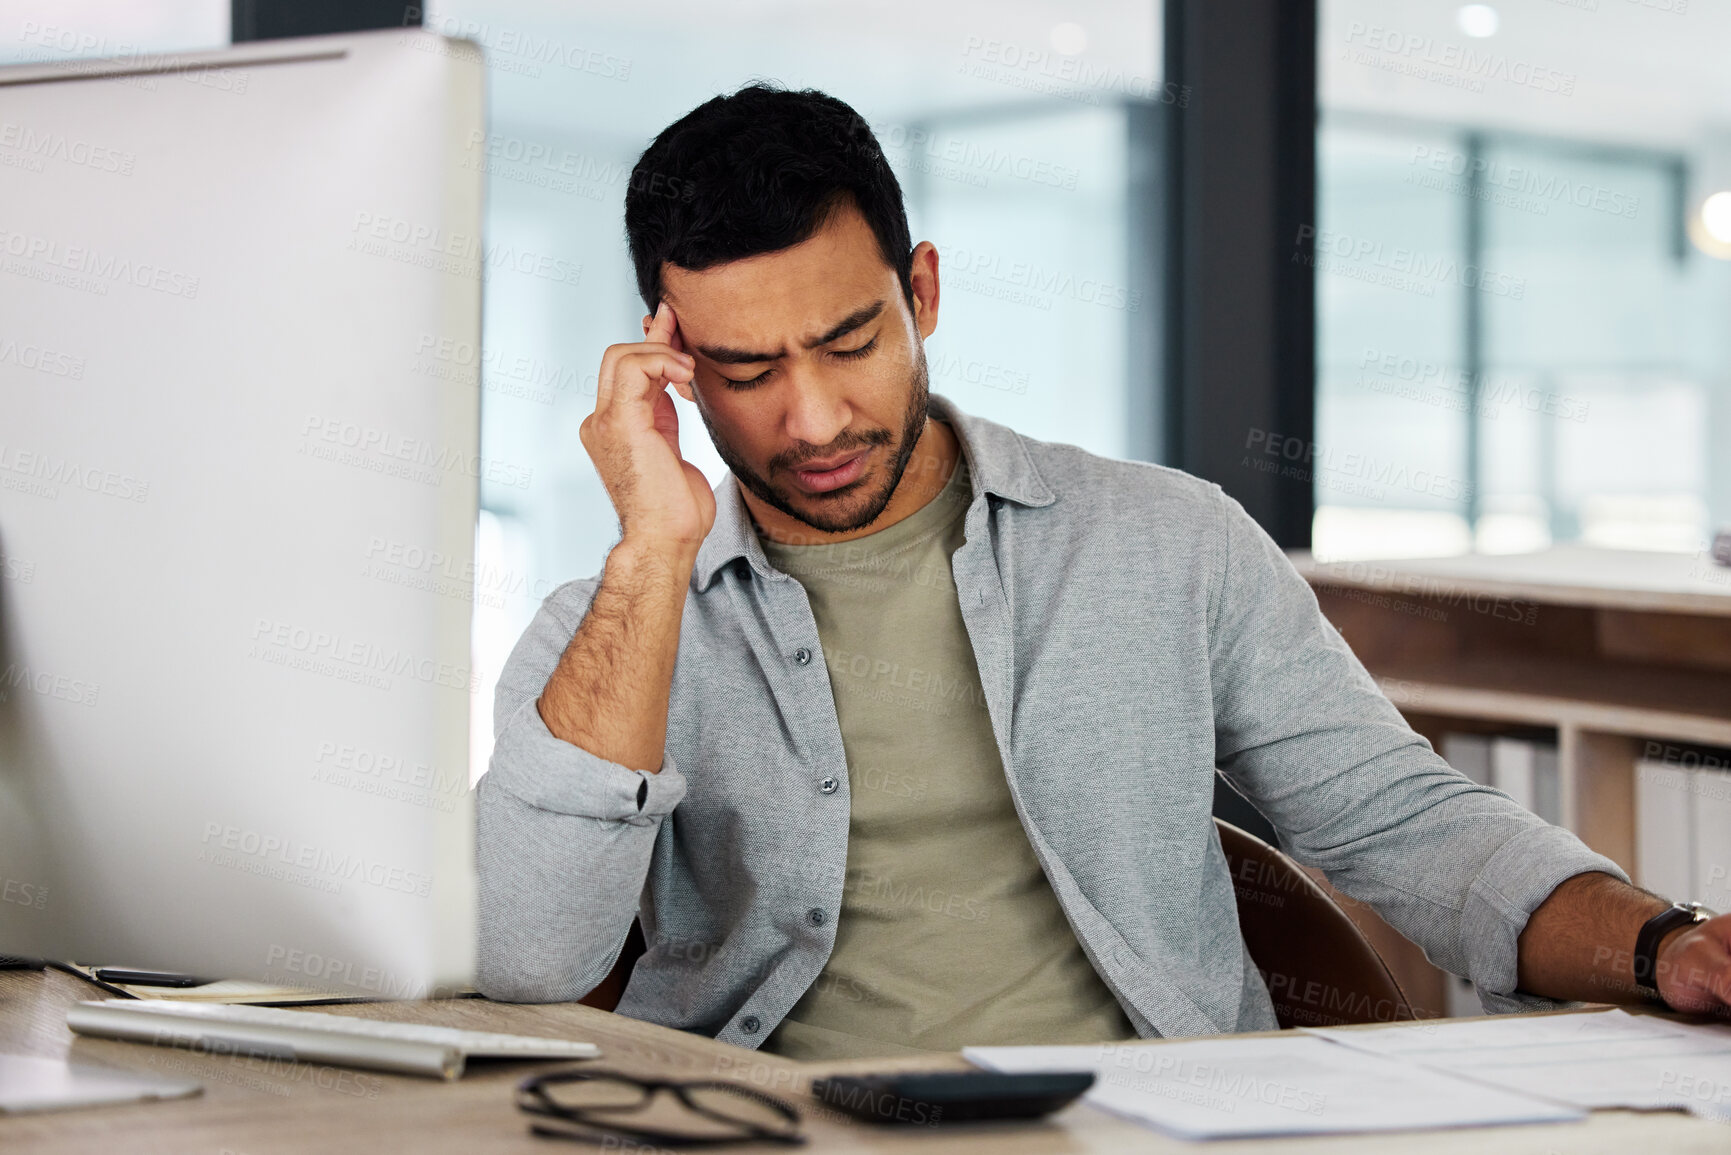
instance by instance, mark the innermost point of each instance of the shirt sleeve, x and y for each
(563, 839)
(1304, 732)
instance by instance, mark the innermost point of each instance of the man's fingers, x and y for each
(661, 325)
(667, 420)
(1703, 976)
(664, 327)
(637, 366)
(650, 370)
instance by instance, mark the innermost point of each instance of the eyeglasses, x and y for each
(594, 1105)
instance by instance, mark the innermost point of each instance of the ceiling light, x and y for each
(1478, 20)
(1716, 216)
(1710, 225)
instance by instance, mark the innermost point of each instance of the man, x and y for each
(904, 736)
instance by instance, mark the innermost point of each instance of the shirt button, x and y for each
(750, 1024)
(802, 656)
(815, 916)
(828, 785)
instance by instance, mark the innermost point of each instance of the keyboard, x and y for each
(312, 1036)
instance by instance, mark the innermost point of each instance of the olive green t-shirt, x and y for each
(949, 933)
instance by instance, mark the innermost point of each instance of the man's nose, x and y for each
(816, 413)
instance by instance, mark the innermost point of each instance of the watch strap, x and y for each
(1655, 929)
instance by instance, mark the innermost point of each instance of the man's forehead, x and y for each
(797, 292)
(767, 320)
(750, 340)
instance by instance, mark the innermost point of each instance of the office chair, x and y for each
(1320, 970)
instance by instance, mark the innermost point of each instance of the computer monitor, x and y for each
(236, 521)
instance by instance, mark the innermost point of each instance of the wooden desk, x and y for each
(259, 1106)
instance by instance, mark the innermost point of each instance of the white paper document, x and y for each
(1294, 1084)
(1598, 1059)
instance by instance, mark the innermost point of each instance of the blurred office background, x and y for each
(1520, 281)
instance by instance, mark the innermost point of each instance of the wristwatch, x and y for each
(1656, 928)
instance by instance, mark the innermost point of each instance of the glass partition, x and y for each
(1521, 307)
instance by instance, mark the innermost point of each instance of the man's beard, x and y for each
(913, 423)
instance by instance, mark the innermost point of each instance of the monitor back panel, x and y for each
(235, 526)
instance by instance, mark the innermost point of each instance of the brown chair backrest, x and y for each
(606, 996)
(1319, 968)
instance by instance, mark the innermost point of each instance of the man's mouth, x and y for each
(831, 473)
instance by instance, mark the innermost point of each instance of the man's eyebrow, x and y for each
(727, 355)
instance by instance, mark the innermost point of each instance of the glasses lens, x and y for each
(705, 1113)
(741, 1107)
(602, 1094)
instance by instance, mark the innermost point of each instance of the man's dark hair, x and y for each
(756, 172)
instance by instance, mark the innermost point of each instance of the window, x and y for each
(1518, 342)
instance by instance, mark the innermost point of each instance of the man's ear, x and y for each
(924, 278)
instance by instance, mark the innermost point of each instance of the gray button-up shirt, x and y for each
(1134, 629)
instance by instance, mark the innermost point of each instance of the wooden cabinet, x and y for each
(1623, 655)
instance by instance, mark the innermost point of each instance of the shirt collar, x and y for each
(998, 463)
